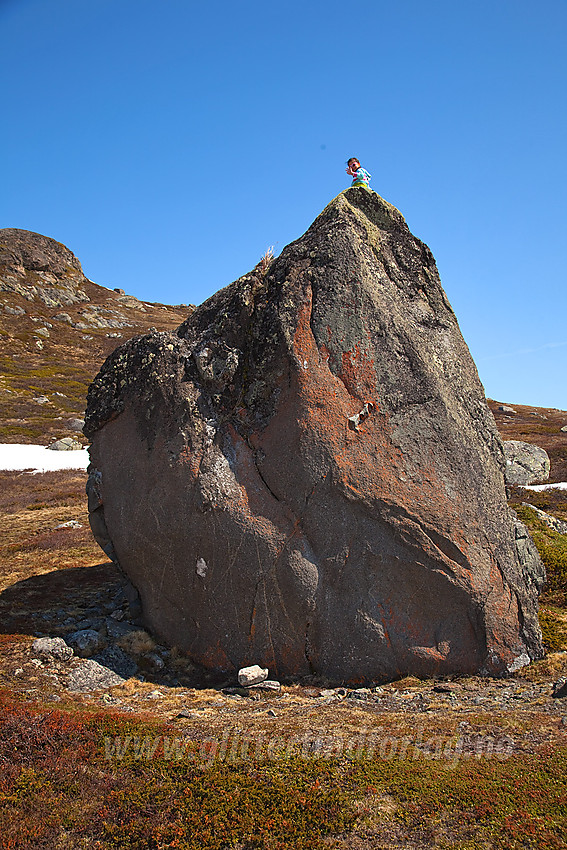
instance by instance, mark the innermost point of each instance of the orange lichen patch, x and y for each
(358, 374)
(190, 460)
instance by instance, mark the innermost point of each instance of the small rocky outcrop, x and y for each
(525, 463)
(37, 267)
(307, 475)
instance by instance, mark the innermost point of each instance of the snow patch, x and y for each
(19, 457)
(561, 486)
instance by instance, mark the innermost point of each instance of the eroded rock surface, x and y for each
(307, 475)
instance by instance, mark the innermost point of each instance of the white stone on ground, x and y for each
(252, 675)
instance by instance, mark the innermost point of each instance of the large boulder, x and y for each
(307, 475)
(525, 463)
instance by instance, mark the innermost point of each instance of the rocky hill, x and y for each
(56, 328)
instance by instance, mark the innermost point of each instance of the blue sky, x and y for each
(169, 143)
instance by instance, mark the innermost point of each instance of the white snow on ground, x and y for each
(561, 486)
(39, 459)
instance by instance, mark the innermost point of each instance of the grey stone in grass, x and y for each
(52, 649)
(92, 676)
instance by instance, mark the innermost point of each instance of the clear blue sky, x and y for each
(169, 143)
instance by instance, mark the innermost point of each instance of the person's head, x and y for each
(353, 163)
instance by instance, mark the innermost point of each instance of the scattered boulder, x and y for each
(113, 658)
(504, 408)
(307, 473)
(76, 424)
(92, 676)
(86, 642)
(52, 649)
(252, 675)
(525, 463)
(560, 688)
(65, 444)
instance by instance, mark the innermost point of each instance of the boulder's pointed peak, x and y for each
(362, 201)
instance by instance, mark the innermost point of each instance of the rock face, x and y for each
(307, 475)
(525, 463)
(37, 267)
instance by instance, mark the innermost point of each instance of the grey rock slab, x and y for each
(525, 463)
(266, 685)
(65, 444)
(117, 660)
(92, 676)
(52, 649)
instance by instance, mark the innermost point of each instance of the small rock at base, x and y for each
(267, 685)
(252, 675)
(560, 688)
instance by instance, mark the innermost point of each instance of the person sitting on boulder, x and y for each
(360, 175)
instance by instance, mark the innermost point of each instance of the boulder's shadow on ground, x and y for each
(81, 603)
